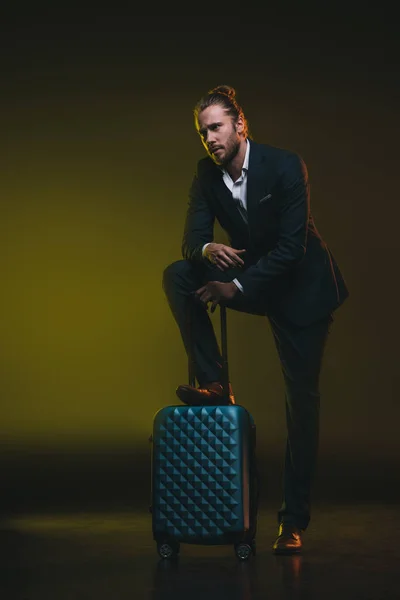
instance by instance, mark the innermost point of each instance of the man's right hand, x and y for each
(224, 257)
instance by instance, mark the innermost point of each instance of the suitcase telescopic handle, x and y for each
(224, 349)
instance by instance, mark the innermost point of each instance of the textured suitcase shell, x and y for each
(202, 474)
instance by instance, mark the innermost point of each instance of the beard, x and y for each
(231, 148)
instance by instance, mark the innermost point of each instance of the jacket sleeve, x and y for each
(294, 213)
(199, 223)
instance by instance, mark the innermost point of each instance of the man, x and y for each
(276, 264)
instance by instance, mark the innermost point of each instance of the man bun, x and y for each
(226, 90)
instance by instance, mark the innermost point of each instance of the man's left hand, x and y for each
(215, 292)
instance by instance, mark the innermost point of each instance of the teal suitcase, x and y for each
(204, 476)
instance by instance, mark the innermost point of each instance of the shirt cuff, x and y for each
(238, 285)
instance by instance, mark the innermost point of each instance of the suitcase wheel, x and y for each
(168, 550)
(243, 551)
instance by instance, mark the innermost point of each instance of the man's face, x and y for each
(219, 135)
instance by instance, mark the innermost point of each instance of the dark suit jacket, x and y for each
(287, 264)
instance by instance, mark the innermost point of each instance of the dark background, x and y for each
(97, 152)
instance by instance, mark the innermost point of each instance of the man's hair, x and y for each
(224, 95)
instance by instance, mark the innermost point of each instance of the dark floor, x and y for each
(76, 526)
(350, 552)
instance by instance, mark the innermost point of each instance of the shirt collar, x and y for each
(246, 158)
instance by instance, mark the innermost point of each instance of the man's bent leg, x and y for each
(180, 280)
(300, 351)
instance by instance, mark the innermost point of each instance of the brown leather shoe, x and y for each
(288, 540)
(210, 395)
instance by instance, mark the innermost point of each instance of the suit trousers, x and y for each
(300, 350)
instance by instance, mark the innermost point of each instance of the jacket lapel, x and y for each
(228, 204)
(257, 177)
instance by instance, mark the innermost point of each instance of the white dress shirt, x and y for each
(238, 189)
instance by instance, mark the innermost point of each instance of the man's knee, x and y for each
(175, 273)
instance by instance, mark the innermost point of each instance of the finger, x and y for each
(237, 262)
(201, 290)
(238, 251)
(218, 265)
(222, 262)
(205, 297)
(228, 254)
(214, 305)
(235, 258)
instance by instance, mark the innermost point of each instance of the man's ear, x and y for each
(239, 125)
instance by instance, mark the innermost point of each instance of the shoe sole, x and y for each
(281, 551)
(187, 398)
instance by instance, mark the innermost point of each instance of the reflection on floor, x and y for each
(350, 552)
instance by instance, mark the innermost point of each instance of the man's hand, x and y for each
(224, 257)
(215, 291)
